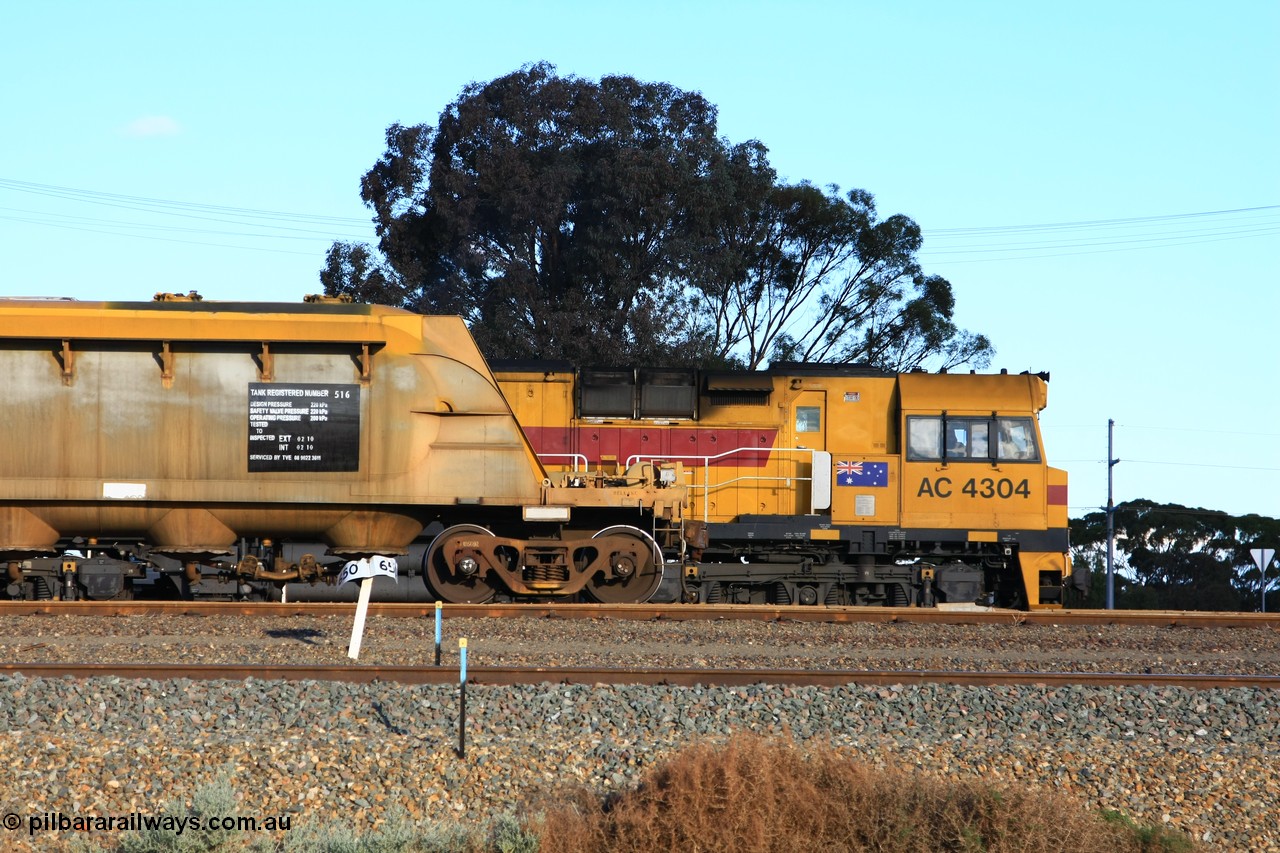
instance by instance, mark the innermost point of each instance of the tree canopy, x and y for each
(609, 223)
(1178, 558)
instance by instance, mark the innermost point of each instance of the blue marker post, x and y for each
(462, 705)
(439, 609)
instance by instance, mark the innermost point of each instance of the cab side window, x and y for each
(1016, 440)
(924, 438)
(808, 419)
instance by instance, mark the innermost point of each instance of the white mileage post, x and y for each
(365, 571)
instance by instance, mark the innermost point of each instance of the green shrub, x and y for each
(1151, 839)
(215, 799)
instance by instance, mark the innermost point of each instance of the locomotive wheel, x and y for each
(446, 580)
(640, 568)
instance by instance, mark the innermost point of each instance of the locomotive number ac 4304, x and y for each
(974, 487)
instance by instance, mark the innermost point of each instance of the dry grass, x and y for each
(757, 795)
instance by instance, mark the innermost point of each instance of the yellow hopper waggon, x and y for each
(224, 449)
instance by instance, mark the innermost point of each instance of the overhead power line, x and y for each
(171, 221)
(978, 244)
(1093, 223)
(1119, 425)
(160, 204)
(117, 233)
(1097, 236)
(37, 217)
(1199, 465)
(1127, 460)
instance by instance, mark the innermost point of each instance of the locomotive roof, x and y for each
(786, 368)
(781, 368)
(206, 307)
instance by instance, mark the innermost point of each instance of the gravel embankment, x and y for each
(596, 642)
(1200, 760)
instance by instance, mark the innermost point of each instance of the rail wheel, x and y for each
(455, 576)
(637, 568)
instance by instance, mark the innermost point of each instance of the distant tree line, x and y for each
(1171, 557)
(609, 223)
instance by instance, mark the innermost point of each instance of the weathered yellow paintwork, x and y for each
(134, 419)
(758, 459)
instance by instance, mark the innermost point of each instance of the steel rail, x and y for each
(590, 675)
(674, 612)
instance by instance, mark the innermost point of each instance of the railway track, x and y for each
(684, 677)
(641, 612)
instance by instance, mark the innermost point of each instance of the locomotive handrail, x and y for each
(708, 489)
(636, 457)
(574, 456)
(706, 470)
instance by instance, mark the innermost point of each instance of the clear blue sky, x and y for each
(1146, 134)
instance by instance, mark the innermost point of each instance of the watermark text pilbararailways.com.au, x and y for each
(58, 822)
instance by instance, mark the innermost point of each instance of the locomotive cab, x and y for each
(974, 476)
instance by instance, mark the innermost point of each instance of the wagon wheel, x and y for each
(453, 579)
(637, 569)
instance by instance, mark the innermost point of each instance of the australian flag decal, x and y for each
(862, 473)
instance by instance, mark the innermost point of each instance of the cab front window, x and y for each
(967, 438)
(972, 439)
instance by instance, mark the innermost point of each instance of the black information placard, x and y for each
(304, 427)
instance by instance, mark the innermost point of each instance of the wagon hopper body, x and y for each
(210, 435)
(825, 484)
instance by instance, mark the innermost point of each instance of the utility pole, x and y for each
(1111, 517)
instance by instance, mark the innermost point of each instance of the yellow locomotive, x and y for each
(815, 484)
